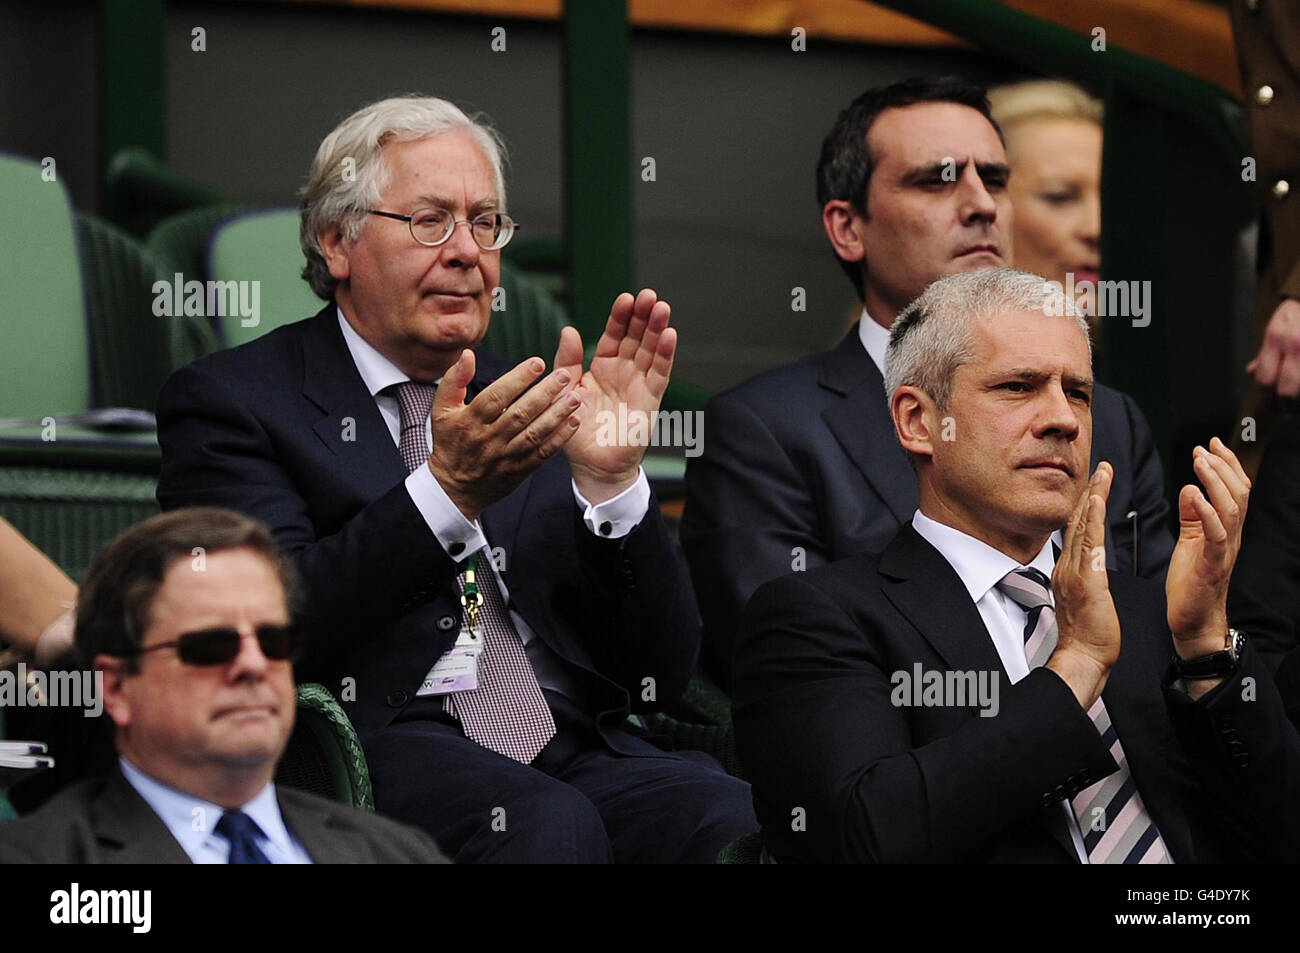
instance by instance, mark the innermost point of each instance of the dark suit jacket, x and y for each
(1264, 599)
(106, 822)
(283, 429)
(801, 467)
(816, 729)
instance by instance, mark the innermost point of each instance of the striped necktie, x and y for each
(1115, 824)
(507, 712)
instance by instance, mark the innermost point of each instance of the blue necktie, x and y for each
(242, 832)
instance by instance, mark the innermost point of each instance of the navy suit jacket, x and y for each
(817, 730)
(801, 467)
(284, 430)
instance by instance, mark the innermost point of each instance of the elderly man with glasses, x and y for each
(186, 619)
(489, 587)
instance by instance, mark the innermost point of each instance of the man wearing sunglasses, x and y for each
(490, 588)
(187, 615)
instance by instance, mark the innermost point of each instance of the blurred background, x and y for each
(141, 138)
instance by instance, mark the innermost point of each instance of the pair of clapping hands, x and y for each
(1196, 586)
(484, 449)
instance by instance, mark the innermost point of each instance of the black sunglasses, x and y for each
(220, 646)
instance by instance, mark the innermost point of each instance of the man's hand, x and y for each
(1278, 361)
(1086, 622)
(1209, 539)
(633, 361)
(484, 449)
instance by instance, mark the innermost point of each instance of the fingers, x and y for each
(1216, 476)
(616, 328)
(1074, 533)
(661, 366)
(634, 328)
(505, 390)
(455, 383)
(533, 404)
(550, 429)
(1095, 514)
(1198, 517)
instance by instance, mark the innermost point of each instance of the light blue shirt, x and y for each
(192, 821)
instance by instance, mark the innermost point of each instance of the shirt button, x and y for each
(446, 622)
(1264, 95)
(1281, 188)
(606, 528)
(456, 548)
(396, 699)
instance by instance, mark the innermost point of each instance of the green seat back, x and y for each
(262, 247)
(44, 366)
(324, 756)
(134, 349)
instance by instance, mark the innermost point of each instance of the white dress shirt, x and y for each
(875, 339)
(445, 520)
(192, 821)
(980, 568)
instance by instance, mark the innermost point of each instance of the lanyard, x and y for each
(470, 597)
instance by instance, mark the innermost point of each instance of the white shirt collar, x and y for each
(377, 371)
(875, 339)
(192, 820)
(979, 565)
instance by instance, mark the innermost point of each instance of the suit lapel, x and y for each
(127, 829)
(350, 424)
(863, 427)
(930, 594)
(311, 820)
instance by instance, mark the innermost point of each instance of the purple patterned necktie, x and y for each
(507, 712)
(1114, 822)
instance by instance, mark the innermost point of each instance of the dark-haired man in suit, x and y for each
(800, 467)
(186, 617)
(972, 694)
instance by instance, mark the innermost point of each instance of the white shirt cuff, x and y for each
(619, 515)
(457, 535)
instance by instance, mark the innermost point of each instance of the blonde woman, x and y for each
(1053, 136)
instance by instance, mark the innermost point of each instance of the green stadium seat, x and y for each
(261, 246)
(133, 349)
(44, 350)
(324, 756)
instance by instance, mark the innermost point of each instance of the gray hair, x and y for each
(933, 336)
(339, 191)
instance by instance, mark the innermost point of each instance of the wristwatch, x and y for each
(1216, 665)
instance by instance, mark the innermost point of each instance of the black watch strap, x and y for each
(1216, 665)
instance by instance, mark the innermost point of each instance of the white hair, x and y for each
(933, 335)
(349, 174)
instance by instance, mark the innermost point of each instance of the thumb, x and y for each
(569, 352)
(455, 383)
(1188, 517)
